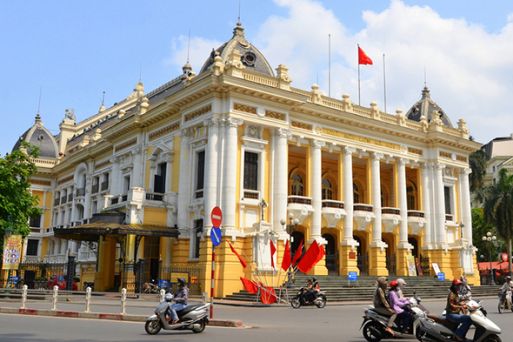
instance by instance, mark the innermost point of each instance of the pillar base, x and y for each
(378, 262)
(402, 261)
(319, 269)
(347, 260)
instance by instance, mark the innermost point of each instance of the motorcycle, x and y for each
(192, 317)
(300, 299)
(150, 287)
(505, 301)
(374, 323)
(428, 328)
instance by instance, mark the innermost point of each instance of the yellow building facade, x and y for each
(383, 192)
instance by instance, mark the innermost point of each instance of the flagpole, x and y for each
(358, 78)
(384, 84)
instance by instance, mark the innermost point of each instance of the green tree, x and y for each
(477, 162)
(498, 208)
(479, 229)
(17, 204)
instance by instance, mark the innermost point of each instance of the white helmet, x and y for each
(168, 297)
(401, 282)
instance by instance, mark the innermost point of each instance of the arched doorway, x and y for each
(331, 254)
(414, 242)
(297, 239)
(362, 259)
(391, 263)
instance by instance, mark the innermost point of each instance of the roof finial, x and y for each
(238, 17)
(188, 46)
(39, 102)
(425, 78)
(238, 30)
(102, 106)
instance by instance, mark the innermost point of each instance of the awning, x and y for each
(91, 231)
(496, 265)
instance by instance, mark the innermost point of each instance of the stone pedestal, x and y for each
(378, 261)
(348, 260)
(402, 264)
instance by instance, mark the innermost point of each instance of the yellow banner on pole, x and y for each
(12, 252)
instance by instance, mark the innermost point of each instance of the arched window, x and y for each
(327, 189)
(356, 193)
(411, 196)
(297, 185)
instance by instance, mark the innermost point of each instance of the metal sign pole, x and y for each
(212, 281)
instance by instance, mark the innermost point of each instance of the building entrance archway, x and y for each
(331, 254)
(362, 257)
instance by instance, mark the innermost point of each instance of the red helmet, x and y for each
(456, 282)
(393, 283)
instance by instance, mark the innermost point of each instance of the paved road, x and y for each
(284, 324)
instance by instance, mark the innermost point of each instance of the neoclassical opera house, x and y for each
(129, 191)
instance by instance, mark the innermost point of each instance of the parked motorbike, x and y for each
(374, 323)
(301, 299)
(192, 317)
(150, 287)
(429, 328)
(505, 301)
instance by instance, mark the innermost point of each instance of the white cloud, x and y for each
(199, 49)
(468, 69)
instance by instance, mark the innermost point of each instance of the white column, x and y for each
(211, 160)
(183, 184)
(426, 205)
(280, 184)
(137, 160)
(439, 216)
(230, 174)
(115, 177)
(403, 207)
(466, 213)
(376, 198)
(316, 179)
(348, 195)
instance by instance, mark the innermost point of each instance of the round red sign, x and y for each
(216, 216)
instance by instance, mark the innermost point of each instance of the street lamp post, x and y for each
(490, 242)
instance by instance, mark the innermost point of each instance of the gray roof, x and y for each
(41, 137)
(251, 57)
(426, 107)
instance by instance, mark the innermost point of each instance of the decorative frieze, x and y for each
(415, 151)
(126, 144)
(358, 138)
(163, 131)
(40, 182)
(244, 108)
(65, 180)
(302, 125)
(197, 113)
(275, 115)
(102, 164)
(444, 154)
(461, 158)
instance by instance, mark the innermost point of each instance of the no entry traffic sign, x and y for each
(216, 216)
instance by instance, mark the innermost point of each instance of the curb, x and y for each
(106, 316)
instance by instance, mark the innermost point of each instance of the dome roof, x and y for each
(251, 57)
(41, 137)
(428, 108)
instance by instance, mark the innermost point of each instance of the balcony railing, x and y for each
(124, 198)
(332, 204)
(114, 200)
(63, 199)
(449, 217)
(198, 193)
(80, 192)
(104, 186)
(151, 196)
(70, 197)
(362, 207)
(252, 194)
(56, 201)
(95, 188)
(391, 211)
(299, 200)
(415, 213)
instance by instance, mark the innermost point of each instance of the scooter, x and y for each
(192, 317)
(300, 299)
(374, 323)
(428, 328)
(505, 301)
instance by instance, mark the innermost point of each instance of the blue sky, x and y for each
(75, 50)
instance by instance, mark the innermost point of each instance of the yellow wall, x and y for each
(155, 216)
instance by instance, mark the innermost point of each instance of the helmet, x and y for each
(401, 282)
(456, 282)
(508, 278)
(314, 279)
(393, 283)
(181, 281)
(168, 297)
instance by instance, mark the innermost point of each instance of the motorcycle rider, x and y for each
(507, 286)
(399, 305)
(464, 291)
(381, 304)
(455, 308)
(309, 294)
(181, 297)
(401, 283)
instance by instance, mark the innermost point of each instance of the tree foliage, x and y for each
(498, 207)
(477, 162)
(17, 204)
